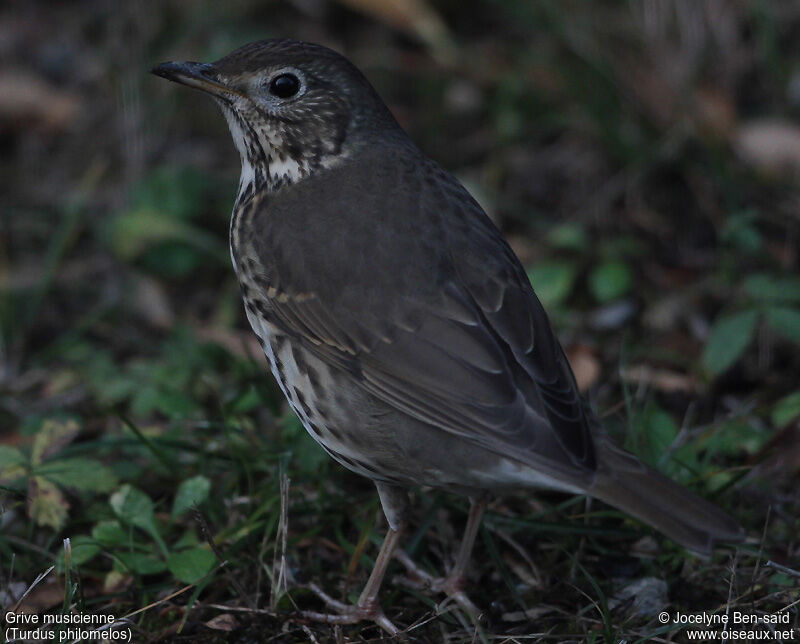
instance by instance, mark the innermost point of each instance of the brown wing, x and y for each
(409, 286)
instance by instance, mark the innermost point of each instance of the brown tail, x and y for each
(628, 484)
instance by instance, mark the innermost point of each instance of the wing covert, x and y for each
(453, 335)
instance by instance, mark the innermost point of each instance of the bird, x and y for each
(398, 322)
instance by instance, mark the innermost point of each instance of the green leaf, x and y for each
(785, 321)
(47, 504)
(135, 507)
(553, 281)
(13, 464)
(762, 286)
(741, 231)
(619, 246)
(729, 438)
(610, 280)
(79, 473)
(172, 260)
(786, 410)
(136, 231)
(654, 431)
(189, 566)
(141, 563)
(53, 435)
(175, 404)
(187, 540)
(83, 549)
(661, 431)
(192, 491)
(110, 533)
(178, 192)
(568, 236)
(246, 401)
(305, 454)
(728, 339)
(11, 456)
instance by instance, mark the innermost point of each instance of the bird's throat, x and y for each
(274, 156)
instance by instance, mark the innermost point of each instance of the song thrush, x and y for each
(399, 324)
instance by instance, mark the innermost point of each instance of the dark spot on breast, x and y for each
(294, 149)
(335, 455)
(279, 369)
(262, 307)
(348, 461)
(303, 404)
(313, 379)
(336, 433)
(299, 360)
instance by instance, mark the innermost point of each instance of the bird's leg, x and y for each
(453, 583)
(456, 577)
(395, 504)
(367, 607)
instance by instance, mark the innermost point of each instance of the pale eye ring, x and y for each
(284, 85)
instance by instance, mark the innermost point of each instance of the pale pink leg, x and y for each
(453, 583)
(367, 607)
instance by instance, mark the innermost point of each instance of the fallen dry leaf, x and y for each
(415, 17)
(28, 100)
(643, 597)
(150, 300)
(54, 435)
(661, 379)
(224, 622)
(770, 145)
(780, 457)
(585, 365)
(666, 100)
(46, 595)
(522, 247)
(655, 95)
(714, 113)
(239, 343)
(116, 582)
(47, 506)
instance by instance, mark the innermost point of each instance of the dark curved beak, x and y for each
(202, 76)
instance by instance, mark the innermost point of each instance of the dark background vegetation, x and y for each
(643, 159)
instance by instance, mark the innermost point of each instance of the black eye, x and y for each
(284, 85)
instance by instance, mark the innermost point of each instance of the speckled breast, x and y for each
(317, 394)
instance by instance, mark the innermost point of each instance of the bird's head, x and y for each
(292, 107)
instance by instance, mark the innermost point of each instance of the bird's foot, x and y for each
(364, 610)
(452, 585)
